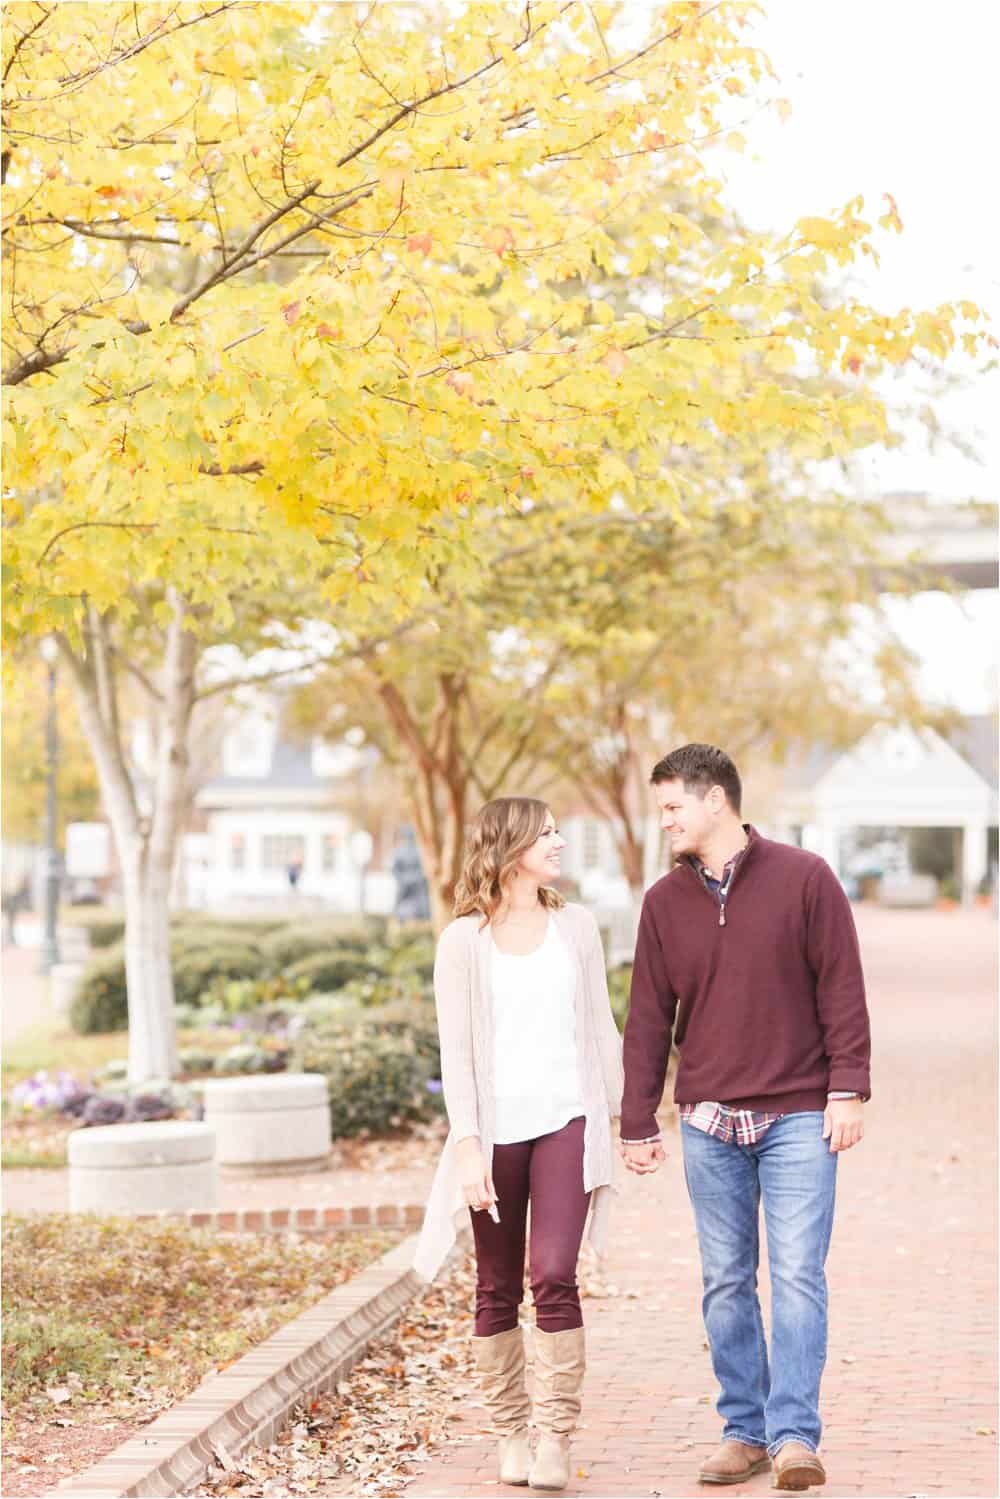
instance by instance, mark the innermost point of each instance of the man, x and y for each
(747, 953)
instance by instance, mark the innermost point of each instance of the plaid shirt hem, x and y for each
(739, 1126)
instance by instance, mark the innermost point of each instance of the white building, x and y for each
(278, 805)
(899, 778)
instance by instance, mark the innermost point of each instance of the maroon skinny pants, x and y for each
(548, 1172)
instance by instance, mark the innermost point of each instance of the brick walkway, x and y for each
(912, 1360)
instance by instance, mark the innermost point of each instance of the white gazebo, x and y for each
(900, 778)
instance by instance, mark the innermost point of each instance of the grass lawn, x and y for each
(108, 1321)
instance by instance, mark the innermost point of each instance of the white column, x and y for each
(974, 846)
(823, 837)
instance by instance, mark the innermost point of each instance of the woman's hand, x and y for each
(477, 1183)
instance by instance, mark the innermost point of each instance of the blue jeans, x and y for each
(793, 1169)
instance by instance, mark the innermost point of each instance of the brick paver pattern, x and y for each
(910, 1391)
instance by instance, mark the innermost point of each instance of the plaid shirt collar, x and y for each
(708, 879)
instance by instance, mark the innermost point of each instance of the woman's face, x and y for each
(541, 861)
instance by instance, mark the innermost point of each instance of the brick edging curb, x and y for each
(315, 1220)
(250, 1401)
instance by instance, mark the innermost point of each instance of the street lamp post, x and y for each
(50, 940)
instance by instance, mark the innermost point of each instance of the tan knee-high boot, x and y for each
(500, 1364)
(559, 1368)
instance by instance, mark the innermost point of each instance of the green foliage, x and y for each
(244, 1058)
(42, 1346)
(195, 1060)
(198, 969)
(302, 939)
(100, 1003)
(329, 970)
(376, 1082)
(103, 929)
(240, 996)
(619, 984)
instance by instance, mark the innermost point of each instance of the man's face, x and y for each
(686, 817)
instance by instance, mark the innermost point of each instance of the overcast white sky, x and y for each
(900, 96)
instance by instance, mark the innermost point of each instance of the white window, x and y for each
(591, 843)
(331, 842)
(278, 850)
(238, 850)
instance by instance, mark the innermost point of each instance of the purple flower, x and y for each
(103, 1110)
(434, 1085)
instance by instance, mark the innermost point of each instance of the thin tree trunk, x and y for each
(146, 846)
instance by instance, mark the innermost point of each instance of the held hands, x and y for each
(843, 1123)
(477, 1184)
(643, 1159)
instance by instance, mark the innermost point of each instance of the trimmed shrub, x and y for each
(101, 1001)
(412, 957)
(329, 970)
(238, 928)
(376, 1083)
(247, 1058)
(197, 969)
(375, 989)
(302, 939)
(105, 931)
(619, 984)
(413, 1019)
(195, 1062)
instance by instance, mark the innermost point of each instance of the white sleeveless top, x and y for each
(537, 1081)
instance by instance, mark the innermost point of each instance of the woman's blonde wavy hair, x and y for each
(504, 830)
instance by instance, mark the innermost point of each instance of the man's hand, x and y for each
(642, 1159)
(844, 1123)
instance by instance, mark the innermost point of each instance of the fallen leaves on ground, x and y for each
(370, 1435)
(109, 1321)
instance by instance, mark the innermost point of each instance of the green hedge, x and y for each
(101, 1003)
(197, 969)
(619, 984)
(303, 939)
(329, 970)
(375, 1082)
(236, 966)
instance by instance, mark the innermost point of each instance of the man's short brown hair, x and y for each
(701, 766)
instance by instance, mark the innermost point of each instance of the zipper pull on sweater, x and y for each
(722, 914)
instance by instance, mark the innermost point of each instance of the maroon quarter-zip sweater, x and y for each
(765, 999)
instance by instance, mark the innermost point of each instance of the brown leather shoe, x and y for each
(796, 1466)
(733, 1462)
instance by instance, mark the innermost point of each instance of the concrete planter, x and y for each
(143, 1168)
(278, 1122)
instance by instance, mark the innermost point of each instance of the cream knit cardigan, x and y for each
(464, 1001)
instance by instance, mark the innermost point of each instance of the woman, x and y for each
(532, 1075)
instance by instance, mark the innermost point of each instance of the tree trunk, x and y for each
(146, 845)
(152, 1033)
(631, 851)
(436, 789)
